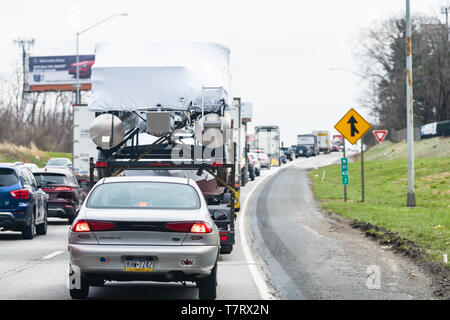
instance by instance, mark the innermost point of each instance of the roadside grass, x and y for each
(427, 225)
(438, 147)
(13, 153)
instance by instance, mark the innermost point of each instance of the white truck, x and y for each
(324, 141)
(83, 147)
(267, 138)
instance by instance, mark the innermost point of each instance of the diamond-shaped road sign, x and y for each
(352, 126)
(380, 134)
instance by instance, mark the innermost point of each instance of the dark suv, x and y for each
(23, 205)
(65, 194)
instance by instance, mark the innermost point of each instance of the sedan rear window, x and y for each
(45, 179)
(58, 162)
(145, 195)
(7, 177)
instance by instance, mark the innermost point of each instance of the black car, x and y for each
(65, 194)
(304, 151)
(288, 153)
(23, 205)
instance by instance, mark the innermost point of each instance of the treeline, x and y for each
(381, 51)
(41, 118)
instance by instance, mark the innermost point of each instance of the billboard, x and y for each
(58, 73)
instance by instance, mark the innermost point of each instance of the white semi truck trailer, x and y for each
(324, 140)
(83, 148)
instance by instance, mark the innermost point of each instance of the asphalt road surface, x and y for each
(310, 255)
(286, 248)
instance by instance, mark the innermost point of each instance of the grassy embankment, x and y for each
(386, 184)
(13, 153)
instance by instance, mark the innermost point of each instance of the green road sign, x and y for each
(344, 171)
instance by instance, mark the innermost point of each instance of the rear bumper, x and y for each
(59, 209)
(110, 260)
(15, 221)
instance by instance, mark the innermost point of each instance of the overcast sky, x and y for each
(281, 51)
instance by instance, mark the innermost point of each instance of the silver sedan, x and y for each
(143, 229)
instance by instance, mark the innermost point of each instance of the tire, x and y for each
(81, 293)
(29, 231)
(208, 286)
(96, 282)
(42, 228)
(226, 249)
(258, 173)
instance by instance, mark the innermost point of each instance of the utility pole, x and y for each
(411, 197)
(444, 10)
(25, 45)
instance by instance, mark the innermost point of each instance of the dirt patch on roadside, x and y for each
(439, 272)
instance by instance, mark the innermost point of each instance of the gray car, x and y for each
(143, 229)
(62, 163)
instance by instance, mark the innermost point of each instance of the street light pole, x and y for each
(77, 83)
(411, 197)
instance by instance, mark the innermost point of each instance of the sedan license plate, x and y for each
(138, 264)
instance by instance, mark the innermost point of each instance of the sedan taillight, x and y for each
(90, 225)
(189, 227)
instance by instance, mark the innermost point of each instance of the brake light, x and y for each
(216, 164)
(81, 226)
(88, 226)
(101, 164)
(223, 236)
(20, 194)
(63, 189)
(192, 227)
(201, 227)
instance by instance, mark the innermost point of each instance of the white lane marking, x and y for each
(52, 255)
(260, 283)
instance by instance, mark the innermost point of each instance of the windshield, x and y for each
(45, 179)
(58, 162)
(145, 195)
(7, 177)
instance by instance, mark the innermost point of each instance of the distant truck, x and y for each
(267, 138)
(323, 139)
(83, 147)
(307, 146)
(337, 142)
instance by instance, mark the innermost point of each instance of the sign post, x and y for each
(353, 127)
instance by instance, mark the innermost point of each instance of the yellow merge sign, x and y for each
(352, 126)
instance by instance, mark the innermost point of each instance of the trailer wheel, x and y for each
(226, 249)
(207, 286)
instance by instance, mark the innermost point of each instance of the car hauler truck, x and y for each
(267, 138)
(83, 147)
(163, 108)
